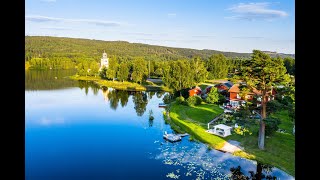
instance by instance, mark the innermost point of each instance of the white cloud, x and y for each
(36, 18)
(248, 37)
(255, 11)
(170, 15)
(57, 28)
(203, 36)
(46, 121)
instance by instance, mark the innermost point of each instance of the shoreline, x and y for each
(129, 86)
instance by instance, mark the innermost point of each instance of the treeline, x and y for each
(176, 74)
(138, 69)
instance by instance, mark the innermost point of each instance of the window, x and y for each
(238, 97)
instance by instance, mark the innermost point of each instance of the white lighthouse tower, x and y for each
(104, 61)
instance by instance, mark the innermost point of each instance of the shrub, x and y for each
(194, 100)
(198, 100)
(191, 101)
(242, 131)
(222, 99)
(271, 125)
(213, 96)
(180, 100)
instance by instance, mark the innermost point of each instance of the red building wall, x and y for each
(233, 95)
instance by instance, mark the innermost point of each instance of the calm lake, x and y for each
(74, 130)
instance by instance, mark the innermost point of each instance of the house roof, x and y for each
(222, 126)
(228, 84)
(234, 88)
(196, 89)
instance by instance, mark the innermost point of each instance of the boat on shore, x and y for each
(162, 105)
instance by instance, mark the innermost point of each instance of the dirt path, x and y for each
(230, 148)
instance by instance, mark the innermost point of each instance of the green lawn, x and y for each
(193, 120)
(286, 122)
(279, 148)
(203, 113)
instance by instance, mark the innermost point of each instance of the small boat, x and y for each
(162, 105)
(171, 137)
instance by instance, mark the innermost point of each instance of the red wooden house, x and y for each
(236, 100)
(195, 91)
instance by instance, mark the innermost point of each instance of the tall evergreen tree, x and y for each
(262, 72)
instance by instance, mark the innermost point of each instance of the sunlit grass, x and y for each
(121, 85)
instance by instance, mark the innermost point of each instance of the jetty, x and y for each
(174, 137)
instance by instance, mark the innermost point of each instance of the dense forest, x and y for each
(44, 52)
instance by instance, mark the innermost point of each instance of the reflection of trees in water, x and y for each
(116, 96)
(160, 94)
(140, 101)
(150, 94)
(88, 84)
(150, 123)
(237, 174)
(113, 99)
(124, 98)
(49, 79)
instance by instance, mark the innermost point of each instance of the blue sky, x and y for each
(225, 25)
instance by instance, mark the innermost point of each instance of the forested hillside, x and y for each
(44, 52)
(60, 47)
(48, 47)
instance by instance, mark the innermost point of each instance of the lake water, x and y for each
(74, 130)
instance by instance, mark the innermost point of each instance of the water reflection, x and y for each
(49, 80)
(116, 97)
(88, 84)
(263, 172)
(197, 161)
(140, 102)
(159, 94)
(192, 162)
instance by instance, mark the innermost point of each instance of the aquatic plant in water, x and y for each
(173, 176)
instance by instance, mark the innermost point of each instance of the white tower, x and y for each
(104, 61)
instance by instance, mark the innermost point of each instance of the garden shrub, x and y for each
(242, 131)
(180, 100)
(194, 100)
(191, 101)
(271, 125)
(198, 100)
(213, 96)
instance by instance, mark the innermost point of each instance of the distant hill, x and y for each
(272, 54)
(46, 46)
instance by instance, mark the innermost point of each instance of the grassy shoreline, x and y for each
(279, 148)
(130, 86)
